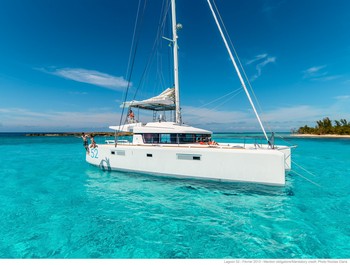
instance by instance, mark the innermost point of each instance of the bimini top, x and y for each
(164, 101)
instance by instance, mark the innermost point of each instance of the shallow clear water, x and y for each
(55, 205)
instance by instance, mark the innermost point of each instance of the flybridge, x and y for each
(159, 127)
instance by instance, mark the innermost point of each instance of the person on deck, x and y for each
(85, 142)
(131, 116)
(93, 143)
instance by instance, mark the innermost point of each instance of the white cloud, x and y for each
(19, 112)
(278, 119)
(18, 119)
(205, 115)
(315, 70)
(261, 65)
(294, 114)
(78, 93)
(344, 97)
(90, 77)
(261, 60)
(319, 73)
(326, 78)
(270, 6)
(257, 58)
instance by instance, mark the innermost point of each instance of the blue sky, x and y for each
(63, 64)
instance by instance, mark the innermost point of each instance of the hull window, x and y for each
(188, 157)
(121, 153)
(118, 152)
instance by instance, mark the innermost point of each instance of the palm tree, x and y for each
(325, 126)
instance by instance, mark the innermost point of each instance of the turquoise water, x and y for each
(55, 205)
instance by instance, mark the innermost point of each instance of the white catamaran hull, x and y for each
(226, 163)
(172, 148)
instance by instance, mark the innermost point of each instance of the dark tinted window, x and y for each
(151, 138)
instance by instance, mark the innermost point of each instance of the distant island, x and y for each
(326, 127)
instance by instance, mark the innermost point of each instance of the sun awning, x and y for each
(164, 101)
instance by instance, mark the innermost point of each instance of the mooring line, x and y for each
(307, 171)
(309, 180)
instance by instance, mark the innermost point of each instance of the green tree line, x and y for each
(326, 126)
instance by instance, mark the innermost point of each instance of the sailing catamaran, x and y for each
(171, 148)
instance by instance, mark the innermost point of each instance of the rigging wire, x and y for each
(132, 55)
(237, 70)
(165, 8)
(133, 39)
(225, 101)
(229, 96)
(219, 98)
(285, 140)
(240, 64)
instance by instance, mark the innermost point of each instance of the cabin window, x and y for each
(187, 138)
(203, 138)
(151, 138)
(165, 138)
(173, 138)
(149, 155)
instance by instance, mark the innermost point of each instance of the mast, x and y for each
(238, 72)
(176, 64)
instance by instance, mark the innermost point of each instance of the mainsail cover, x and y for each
(164, 101)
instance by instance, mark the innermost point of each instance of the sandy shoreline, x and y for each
(319, 136)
